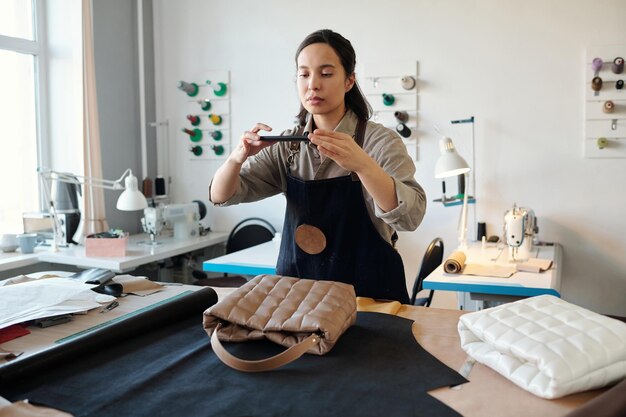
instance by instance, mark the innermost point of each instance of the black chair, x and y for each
(432, 259)
(247, 233)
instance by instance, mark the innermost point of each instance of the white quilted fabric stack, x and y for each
(546, 345)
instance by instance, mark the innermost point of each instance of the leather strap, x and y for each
(267, 364)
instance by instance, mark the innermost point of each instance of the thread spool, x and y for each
(195, 135)
(596, 84)
(159, 185)
(215, 119)
(194, 120)
(481, 231)
(196, 150)
(218, 149)
(407, 82)
(602, 143)
(147, 187)
(388, 99)
(205, 104)
(608, 106)
(219, 89)
(619, 84)
(596, 64)
(216, 135)
(403, 130)
(618, 65)
(190, 88)
(401, 116)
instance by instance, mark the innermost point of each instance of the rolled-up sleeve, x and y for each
(260, 177)
(411, 207)
(392, 156)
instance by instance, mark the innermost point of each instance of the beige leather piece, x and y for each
(25, 409)
(310, 239)
(487, 393)
(284, 310)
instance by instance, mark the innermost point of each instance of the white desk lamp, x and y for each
(131, 198)
(450, 164)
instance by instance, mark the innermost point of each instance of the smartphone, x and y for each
(285, 138)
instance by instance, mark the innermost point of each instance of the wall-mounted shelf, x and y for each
(209, 147)
(605, 109)
(400, 81)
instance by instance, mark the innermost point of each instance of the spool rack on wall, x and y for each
(605, 102)
(204, 123)
(393, 93)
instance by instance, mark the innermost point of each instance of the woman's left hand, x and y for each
(341, 148)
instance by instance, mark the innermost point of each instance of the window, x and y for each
(20, 72)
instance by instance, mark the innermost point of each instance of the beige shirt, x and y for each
(265, 174)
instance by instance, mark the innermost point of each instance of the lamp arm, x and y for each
(89, 181)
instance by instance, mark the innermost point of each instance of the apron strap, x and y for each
(359, 137)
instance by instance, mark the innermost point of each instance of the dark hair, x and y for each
(355, 100)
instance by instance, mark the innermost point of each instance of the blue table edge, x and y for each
(491, 289)
(242, 269)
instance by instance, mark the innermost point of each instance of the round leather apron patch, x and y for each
(310, 239)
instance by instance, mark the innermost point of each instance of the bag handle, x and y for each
(283, 358)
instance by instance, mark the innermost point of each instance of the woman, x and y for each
(348, 189)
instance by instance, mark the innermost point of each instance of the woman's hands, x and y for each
(226, 178)
(250, 144)
(343, 149)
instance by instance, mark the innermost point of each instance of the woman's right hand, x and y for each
(250, 144)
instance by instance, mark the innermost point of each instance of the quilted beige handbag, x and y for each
(306, 316)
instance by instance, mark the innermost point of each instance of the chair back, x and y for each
(249, 232)
(433, 257)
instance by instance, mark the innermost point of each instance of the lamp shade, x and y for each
(450, 163)
(131, 199)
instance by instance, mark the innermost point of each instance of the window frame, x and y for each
(37, 49)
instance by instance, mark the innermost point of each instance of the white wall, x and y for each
(518, 67)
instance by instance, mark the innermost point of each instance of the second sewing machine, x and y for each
(184, 219)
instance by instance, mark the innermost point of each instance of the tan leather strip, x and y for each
(267, 364)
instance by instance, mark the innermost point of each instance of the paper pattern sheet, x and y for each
(45, 298)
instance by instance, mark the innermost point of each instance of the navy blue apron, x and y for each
(355, 253)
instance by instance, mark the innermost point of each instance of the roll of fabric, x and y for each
(108, 335)
(455, 263)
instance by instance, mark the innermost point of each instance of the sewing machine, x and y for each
(520, 227)
(183, 218)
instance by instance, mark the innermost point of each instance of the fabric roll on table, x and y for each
(455, 263)
(94, 343)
